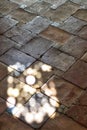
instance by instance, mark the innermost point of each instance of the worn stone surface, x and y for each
(79, 114)
(19, 35)
(58, 15)
(82, 100)
(75, 46)
(77, 74)
(61, 122)
(61, 91)
(72, 25)
(41, 109)
(81, 14)
(8, 122)
(6, 23)
(37, 25)
(83, 32)
(60, 60)
(2, 106)
(38, 8)
(37, 47)
(55, 34)
(22, 16)
(17, 59)
(5, 44)
(84, 57)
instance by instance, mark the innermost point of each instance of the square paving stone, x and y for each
(55, 34)
(77, 74)
(72, 25)
(79, 114)
(15, 92)
(7, 6)
(37, 74)
(37, 110)
(5, 44)
(7, 122)
(62, 122)
(61, 91)
(57, 59)
(22, 16)
(75, 46)
(3, 106)
(19, 35)
(38, 8)
(62, 12)
(6, 23)
(37, 47)
(17, 59)
(84, 57)
(83, 33)
(37, 25)
(81, 14)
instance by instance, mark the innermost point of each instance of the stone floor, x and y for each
(43, 64)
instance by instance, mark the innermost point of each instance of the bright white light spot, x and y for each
(13, 92)
(29, 117)
(11, 102)
(10, 80)
(30, 80)
(39, 117)
(46, 68)
(29, 89)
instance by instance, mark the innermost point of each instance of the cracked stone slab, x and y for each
(57, 59)
(37, 25)
(72, 25)
(6, 23)
(37, 110)
(17, 59)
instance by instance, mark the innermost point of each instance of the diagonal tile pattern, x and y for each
(43, 64)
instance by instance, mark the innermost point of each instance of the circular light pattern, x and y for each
(30, 80)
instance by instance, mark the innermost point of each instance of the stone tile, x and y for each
(39, 72)
(55, 34)
(41, 109)
(83, 33)
(19, 35)
(38, 7)
(59, 60)
(5, 44)
(7, 7)
(37, 25)
(79, 114)
(84, 57)
(62, 122)
(81, 14)
(81, 2)
(82, 100)
(58, 15)
(72, 25)
(37, 47)
(77, 74)
(6, 23)
(75, 46)
(17, 59)
(61, 91)
(7, 122)
(2, 106)
(22, 16)
(15, 92)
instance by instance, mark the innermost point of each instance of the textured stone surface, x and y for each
(2, 106)
(83, 99)
(75, 47)
(72, 25)
(19, 35)
(37, 25)
(37, 47)
(77, 74)
(17, 59)
(7, 122)
(83, 32)
(5, 44)
(41, 109)
(61, 91)
(55, 34)
(79, 114)
(58, 15)
(81, 14)
(6, 23)
(60, 60)
(61, 122)
(84, 57)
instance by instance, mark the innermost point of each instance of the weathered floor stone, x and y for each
(83, 33)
